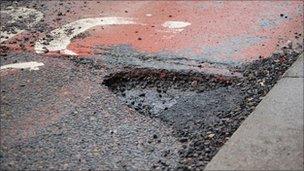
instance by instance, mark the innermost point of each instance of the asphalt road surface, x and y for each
(136, 85)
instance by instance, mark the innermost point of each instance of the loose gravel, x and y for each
(201, 110)
(204, 110)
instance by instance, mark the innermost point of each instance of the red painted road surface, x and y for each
(217, 31)
(58, 110)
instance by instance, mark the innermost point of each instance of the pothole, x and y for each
(153, 91)
(203, 110)
(193, 104)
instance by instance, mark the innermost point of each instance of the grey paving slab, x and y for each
(271, 138)
(297, 69)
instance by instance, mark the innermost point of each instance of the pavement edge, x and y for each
(271, 138)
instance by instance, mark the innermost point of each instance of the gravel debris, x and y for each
(204, 110)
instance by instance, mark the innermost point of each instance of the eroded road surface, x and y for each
(136, 85)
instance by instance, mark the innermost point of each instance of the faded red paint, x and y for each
(278, 37)
(26, 127)
(213, 26)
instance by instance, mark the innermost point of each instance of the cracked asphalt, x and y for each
(144, 86)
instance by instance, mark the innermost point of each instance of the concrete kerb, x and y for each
(271, 138)
(296, 70)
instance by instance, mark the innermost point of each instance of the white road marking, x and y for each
(25, 13)
(176, 26)
(63, 35)
(6, 35)
(23, 65)
(68, 52)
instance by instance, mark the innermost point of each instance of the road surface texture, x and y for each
(271, 138)
(136, 85)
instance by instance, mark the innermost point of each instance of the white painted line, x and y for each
(6, 35)
(68, 52)
(176, 24)
(15, 13)
(63, 35)
(23, 65)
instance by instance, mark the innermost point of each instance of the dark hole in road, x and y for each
(192, 103)
(152, 91)
(203, 110)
